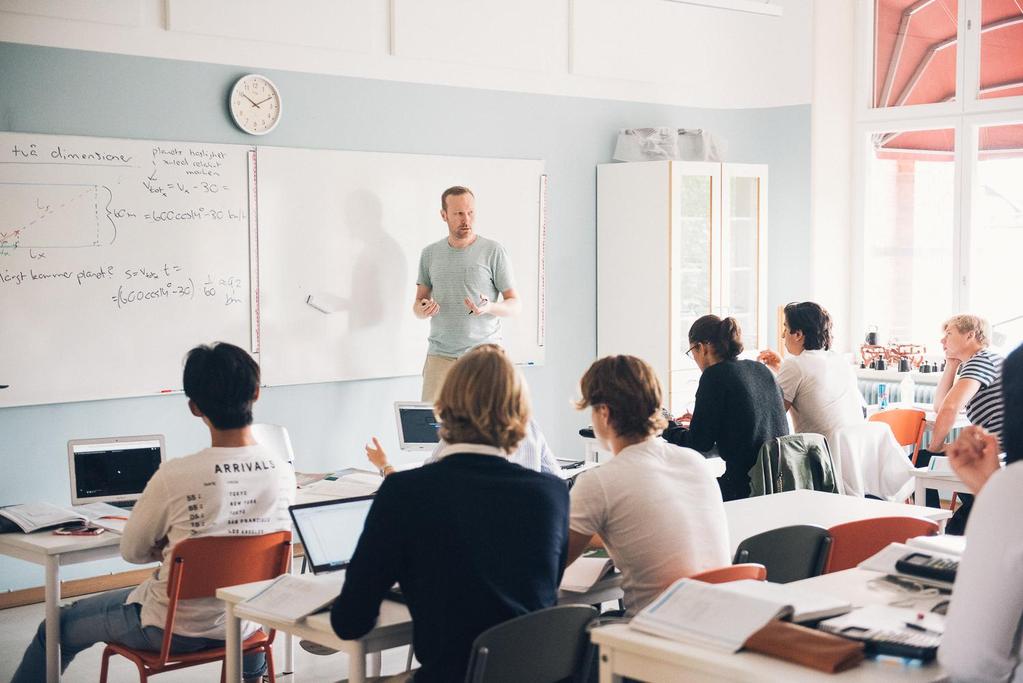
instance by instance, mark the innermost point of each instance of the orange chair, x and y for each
(853, 542)
(907, 425)
(198, 569)
(735, 572)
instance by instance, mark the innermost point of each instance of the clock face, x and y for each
(255, 104)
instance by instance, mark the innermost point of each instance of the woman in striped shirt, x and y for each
(972, 380)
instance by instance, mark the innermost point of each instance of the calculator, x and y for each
(922, 646)
(928, 567)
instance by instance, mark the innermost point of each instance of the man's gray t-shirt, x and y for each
(481, 269)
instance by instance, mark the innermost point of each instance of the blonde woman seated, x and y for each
(473, 540)
(656, 506)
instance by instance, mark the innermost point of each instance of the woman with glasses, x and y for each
(818, 385)
(738, 404)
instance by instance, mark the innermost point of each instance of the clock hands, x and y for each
(250, 100)
(262, 101)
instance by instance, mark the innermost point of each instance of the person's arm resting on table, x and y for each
(955, 400)
(145, 533)
(373, 569)
(705, 424)
(587, 513)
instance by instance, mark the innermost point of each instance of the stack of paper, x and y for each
(350, 485)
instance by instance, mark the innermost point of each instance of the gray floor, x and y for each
(17, 626)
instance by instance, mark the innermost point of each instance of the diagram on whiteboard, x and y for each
(49, 216)
(116, 257)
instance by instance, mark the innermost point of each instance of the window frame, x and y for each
(966, 115)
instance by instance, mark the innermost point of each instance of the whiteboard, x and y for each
(117, 257)
(347, 228)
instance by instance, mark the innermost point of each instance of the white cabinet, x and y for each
(677, 240)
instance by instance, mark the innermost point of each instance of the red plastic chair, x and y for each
(199, 566)
(735, 572)
(907, 425)
(853, 542)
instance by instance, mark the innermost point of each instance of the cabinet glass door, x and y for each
(741, 281)
(694, 242)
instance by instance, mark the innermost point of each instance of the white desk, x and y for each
(946, 483)
(393, 627)
(53, 552)
(752, 516)
(625, 652)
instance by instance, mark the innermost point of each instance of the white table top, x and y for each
(48, 543)
(752, 516)
(394, 622)
(852, 584)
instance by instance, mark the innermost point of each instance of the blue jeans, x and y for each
(106, 618)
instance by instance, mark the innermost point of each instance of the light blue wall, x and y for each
(47, 90)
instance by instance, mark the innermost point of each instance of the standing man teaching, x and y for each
(460, 278)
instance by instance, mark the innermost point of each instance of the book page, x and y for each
(693, 611)
(581, 575)
(291, 598)
(33, 516)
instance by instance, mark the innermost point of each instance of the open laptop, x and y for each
(330, 530)
(113, 470)
(417, 426)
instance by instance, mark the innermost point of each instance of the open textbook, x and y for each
(31, 517)
(292, 598)
(723, 616)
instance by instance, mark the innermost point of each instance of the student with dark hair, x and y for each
(654, 505)
(818, 386)
(738, 404)
(983, 635)
(187, 497)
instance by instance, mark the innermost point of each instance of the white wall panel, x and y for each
(349, 25)
(764, 60)
(124, 12)
(497, 33)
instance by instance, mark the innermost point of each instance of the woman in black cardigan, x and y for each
(738, 404)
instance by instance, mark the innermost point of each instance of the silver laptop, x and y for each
(114, 469)
(330, 530)
(417, 426)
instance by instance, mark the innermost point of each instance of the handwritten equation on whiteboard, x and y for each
(143, 244)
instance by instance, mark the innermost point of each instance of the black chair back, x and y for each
(541, 647)
(790, 553)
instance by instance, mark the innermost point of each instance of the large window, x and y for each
(941, 176)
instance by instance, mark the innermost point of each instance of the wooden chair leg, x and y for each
(105, 666)
(270, 661)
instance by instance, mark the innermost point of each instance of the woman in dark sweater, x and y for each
(738, 404)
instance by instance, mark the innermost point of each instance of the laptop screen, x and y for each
(113, 470)
(417, 426)
(330, 530)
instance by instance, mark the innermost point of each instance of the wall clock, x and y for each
(255, 104)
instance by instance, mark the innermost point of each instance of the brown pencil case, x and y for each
(806, 646)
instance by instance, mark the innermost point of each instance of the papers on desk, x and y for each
(104, 515)
(585, 572)
(708, 615)
(885, 560)
(292, 598)
(806, 605)
(943, 544)
(351, 484)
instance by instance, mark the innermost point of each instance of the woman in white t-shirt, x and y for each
(818, 386)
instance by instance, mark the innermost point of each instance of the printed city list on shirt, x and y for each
(233, 498)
